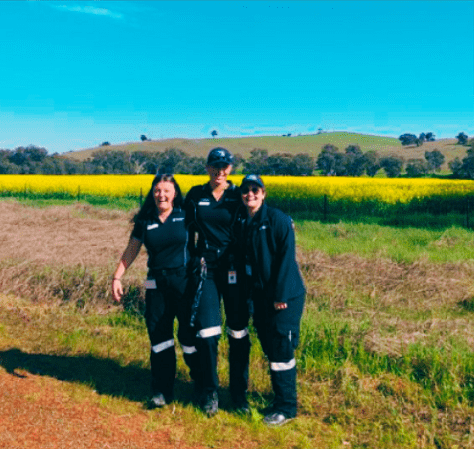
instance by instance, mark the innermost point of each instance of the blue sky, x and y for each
(75, 74)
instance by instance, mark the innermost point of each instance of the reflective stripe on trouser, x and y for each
(163, 368)
(239, 353)
(284, 387)
(163, 305)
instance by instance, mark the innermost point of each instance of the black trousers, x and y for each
(208, 330)
(278, 332)
(166, 299)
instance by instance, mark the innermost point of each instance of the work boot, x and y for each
(210, 404)
(276, 419)
(157, 401)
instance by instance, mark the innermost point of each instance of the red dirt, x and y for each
(35, 414)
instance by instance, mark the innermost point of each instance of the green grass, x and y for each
(385, 358)
(35, 200)
(407, 244)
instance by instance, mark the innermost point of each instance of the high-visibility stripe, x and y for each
(209, 332)
(282, 366)
(237, 334)
(189, 349)
(162, 346)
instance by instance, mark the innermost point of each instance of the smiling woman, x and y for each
(160, 226)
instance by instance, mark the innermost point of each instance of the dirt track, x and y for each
(35, 414)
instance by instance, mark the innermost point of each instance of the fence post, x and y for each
(78, 193)
(141, 196)
(468, 211)
(325, 207)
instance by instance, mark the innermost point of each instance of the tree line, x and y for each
(330, 162)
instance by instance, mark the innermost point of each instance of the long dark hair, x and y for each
(149, 209)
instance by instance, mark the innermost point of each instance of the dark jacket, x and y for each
(268, 245)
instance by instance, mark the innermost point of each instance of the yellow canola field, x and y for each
(388, 191)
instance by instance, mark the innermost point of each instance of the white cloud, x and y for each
(91, 10)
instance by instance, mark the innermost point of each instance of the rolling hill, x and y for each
(310, 144)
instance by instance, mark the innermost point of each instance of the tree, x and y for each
(408, 139)
(430, 137)
(435, 159)
(330, 161)
(238, 161)
(372, 163)
(462, 138)
(392, 165)
(257, 162)
(456, 167)
(214, 133)
(354, 161)
(172, 160)
(301, 165)
(464, 169)
(278, 164)
(143, 138)
(196, 166)
(105, 144)
(417, 167)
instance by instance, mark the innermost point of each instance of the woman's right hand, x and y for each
(117, 290)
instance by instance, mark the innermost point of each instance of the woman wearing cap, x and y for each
(211, 211)
(275, 286)
(160, 226)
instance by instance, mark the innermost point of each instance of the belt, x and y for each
(168, 271)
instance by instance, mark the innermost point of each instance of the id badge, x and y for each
(248, 270)
(232, 277)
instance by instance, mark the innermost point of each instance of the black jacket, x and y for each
(268, 245)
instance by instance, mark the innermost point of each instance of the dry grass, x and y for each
(294, 145)
(389, 305)
(404, 303)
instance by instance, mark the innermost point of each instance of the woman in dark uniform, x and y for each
(275, 286)
(160, 226)
(211, 212)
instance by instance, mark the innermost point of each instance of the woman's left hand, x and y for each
(280, 305)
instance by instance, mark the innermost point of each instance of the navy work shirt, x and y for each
(166, 243)
(267, 245)
(212, 220)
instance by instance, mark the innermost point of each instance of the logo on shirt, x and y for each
(262, 227)
(153, 226)
(178, 219)
(204, 203)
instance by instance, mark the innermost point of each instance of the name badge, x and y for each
(248, 270)
(150, 284)
(232, 277)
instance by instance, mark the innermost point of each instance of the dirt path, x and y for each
(35, 414)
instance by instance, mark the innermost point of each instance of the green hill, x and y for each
(310, 144)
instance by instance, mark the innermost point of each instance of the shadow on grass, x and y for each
(103, 375)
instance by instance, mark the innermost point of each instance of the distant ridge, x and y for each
(308, 143)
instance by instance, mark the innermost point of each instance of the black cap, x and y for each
(219, 156)
(255, 179)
